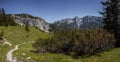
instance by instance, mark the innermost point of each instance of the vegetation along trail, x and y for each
(9, 55)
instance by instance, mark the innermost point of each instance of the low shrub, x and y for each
(76, 42)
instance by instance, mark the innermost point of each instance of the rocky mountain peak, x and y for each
(79, 23)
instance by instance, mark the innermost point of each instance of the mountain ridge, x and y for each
(79, 23)
(68, 23)
(27, 19)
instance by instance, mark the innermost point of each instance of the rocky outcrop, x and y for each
(26, 19)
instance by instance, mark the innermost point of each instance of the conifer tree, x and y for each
(2, 16)
(111, 14)
(6, 19)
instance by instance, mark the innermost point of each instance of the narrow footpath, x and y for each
(9, 55)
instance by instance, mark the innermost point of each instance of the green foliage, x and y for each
(76, 42)
(3, 50)
(27, 28)
(1, 35)
(6, 20)
(111, 19)
(106, 56)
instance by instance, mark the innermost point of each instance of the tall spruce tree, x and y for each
(5, 19)
(111, 19)
(5, 22)
(2, 17)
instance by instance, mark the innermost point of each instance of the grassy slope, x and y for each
(107, 56)
(3, 51)
(16, 35)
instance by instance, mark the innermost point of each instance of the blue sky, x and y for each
(52, 10)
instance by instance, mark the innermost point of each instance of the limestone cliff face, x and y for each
(26, 19)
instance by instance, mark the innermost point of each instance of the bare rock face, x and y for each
(26, 19)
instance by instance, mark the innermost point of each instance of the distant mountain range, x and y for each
(78, 23)
(68, 23)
